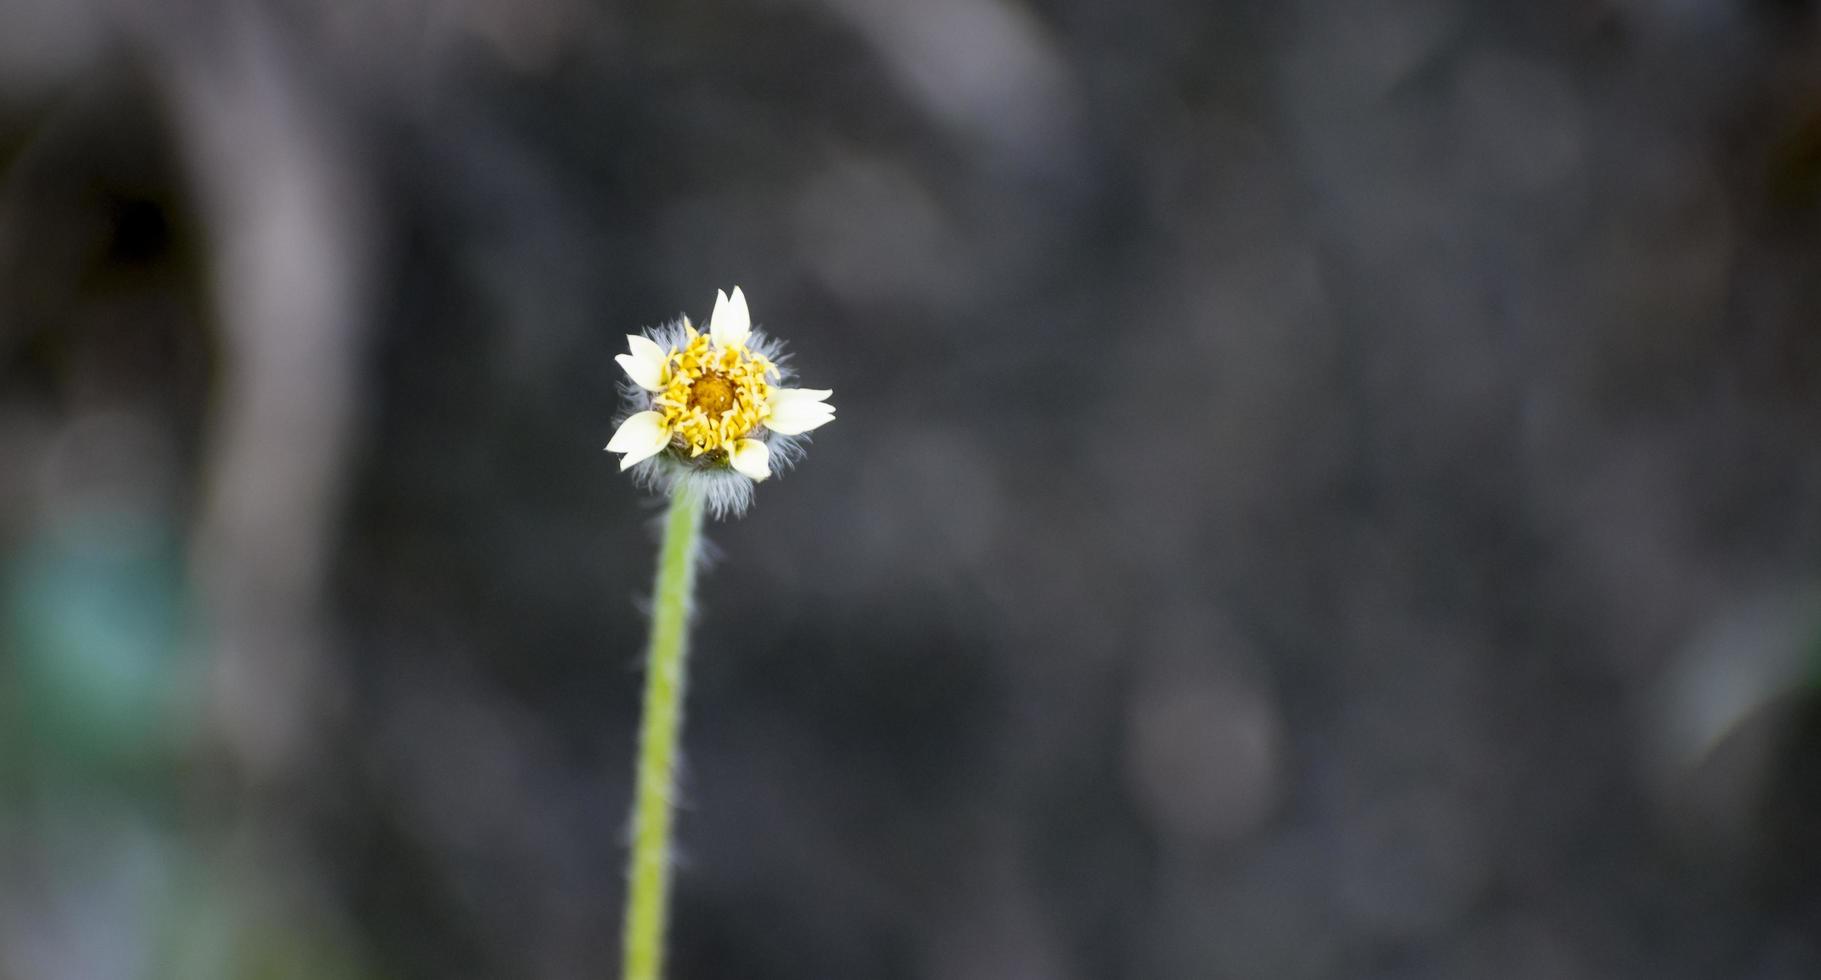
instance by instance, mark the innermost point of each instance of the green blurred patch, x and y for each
(222, 927)
(94, 628)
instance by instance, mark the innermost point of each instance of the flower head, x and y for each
(712, 408)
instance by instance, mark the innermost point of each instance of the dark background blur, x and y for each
(1324, 489)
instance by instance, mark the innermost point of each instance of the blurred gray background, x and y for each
(1324, 489)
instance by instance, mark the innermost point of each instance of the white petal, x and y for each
(639, 437)
(798, 410)
(645, 365)
(805, 394)
(731, 323)
(751, 458)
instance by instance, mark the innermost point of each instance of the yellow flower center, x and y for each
(712, 396)
(713, 392)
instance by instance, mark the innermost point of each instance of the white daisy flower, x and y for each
(712, 409)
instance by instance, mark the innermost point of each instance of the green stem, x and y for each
(648, 873)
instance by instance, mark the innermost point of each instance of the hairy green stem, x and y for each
(648, 873)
